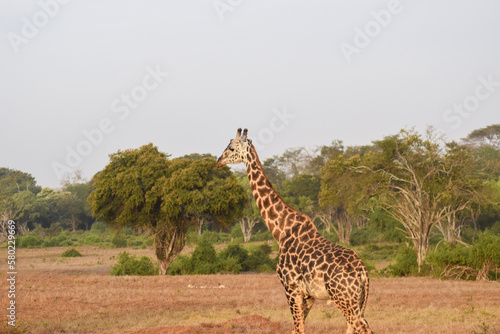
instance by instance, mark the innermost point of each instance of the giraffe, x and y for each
(310, 267)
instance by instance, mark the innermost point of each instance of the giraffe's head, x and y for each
(236, 151)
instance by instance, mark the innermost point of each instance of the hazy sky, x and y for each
(82, 79)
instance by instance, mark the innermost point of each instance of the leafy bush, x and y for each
(215, 237)
(233, 259)
(99, 227)
(406, 263)
(361, 236)
(230, 266)
(119, 240)
(236, 231)
(29, 241)
(204, 258)
(181, 265)
(480, 261)
(262, 236)
(60, 241)
(234, 251)
(131, 265)
(379, 252)
(71, 252)
(92, 240)
(259, 261)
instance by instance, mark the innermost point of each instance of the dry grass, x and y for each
(77, 295)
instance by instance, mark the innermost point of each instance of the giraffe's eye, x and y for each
(231, 149)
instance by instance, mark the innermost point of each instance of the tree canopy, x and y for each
(144, 189)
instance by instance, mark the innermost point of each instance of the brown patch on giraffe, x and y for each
(272, 214)
(263, 192)
(261, 181)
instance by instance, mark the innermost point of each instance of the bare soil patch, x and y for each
(56, 295)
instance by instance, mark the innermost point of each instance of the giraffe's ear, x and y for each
(244, 138)
(238, 134)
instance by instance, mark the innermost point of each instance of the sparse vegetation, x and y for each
(71, 252)
(130, 265)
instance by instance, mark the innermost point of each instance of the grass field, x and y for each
(77, 295)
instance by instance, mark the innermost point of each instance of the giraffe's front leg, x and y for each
(297, 306)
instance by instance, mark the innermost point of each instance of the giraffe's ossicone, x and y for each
(310, 267)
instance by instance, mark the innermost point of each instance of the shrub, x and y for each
(99, 227)
(71, 252)
(29, 241)
(379, 252)
(204, 258)
(91, 240)
(236, 231)
(406, 263)
(181, 265)
(230, 265)
(131, 265)
(480, 261)
(262, 236)
(119, 240)
(60, 241)
(258, 261)
(232, 259)
(214, 237)
(360, 236)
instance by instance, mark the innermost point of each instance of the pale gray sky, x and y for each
(186, 74)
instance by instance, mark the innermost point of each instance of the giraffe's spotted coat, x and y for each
(309, 267)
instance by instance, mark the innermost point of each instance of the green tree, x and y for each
(143, 188)
(346, 194)
(424, 181)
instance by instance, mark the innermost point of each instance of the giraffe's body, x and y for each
(310, 267)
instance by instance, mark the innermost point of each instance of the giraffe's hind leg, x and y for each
(350, 305)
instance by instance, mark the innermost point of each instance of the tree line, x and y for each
(410, 186)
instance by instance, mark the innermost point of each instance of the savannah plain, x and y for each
(77, 295)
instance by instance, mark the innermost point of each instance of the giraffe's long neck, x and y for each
(269, 202)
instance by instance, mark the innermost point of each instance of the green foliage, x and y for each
(233, 259)
(236, 253)
(92, 240)
(60, 241)
(379, 252)
(119, 240)
(406, 263)
(215, 237)
(71, 252)
(99, 227)
(29, 241)
(180, 266)
(237, 233)
(204, 258)
(131, 265)
(143, 188)
(479, 261)
(361, 236)
(262, 236)
(259, 261)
